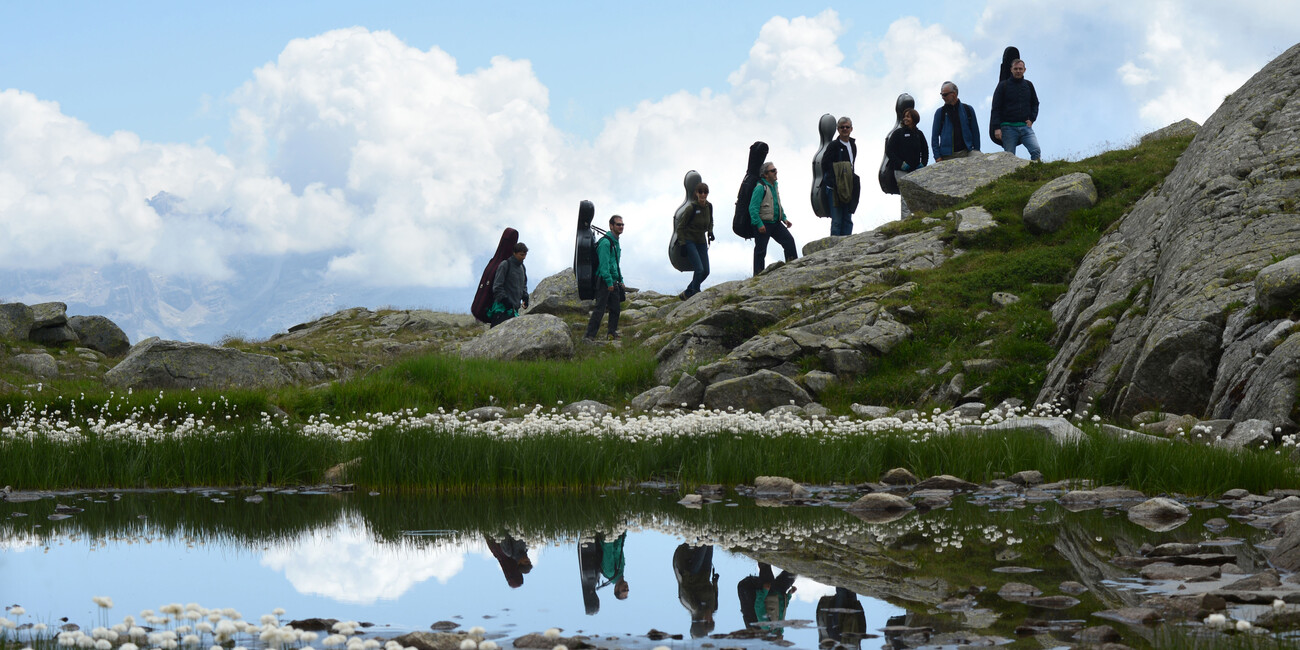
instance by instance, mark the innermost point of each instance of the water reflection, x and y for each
(809, 576)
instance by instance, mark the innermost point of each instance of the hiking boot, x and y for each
(590, 340)
(615, 336)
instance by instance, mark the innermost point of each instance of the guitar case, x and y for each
(1008, 55)
(584, 251)
(677, 254)
(889, 184)
(740, 223)
(826, 129)
(483, 296)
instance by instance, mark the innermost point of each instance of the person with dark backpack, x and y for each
(740, 222)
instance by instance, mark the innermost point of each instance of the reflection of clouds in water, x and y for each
(810, 591)
(343, 563)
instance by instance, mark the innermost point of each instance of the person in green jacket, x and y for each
(764, 597)
(609, 281)
(769, 219)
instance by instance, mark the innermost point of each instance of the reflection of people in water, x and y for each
(697, 586)
(764, 598)
(841, 622)
(597, 560)
(512, 554)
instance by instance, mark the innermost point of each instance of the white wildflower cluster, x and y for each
(169, 628)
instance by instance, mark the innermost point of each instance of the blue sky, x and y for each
(378, 149)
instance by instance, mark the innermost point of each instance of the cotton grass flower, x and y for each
(1243, 626)
(17, 610)
(105, 602)
(552, 633)
(468, 644)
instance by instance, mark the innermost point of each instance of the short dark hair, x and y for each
(611, 219)
(916, 117)
(702, 186)
(521, 248)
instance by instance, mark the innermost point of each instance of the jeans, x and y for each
(841, 218)
(698, 254)
(606, 300)
(1014, 135)
(775, 230)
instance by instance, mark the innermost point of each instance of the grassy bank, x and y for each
(450, 453)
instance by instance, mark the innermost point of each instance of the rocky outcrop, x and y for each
(155, 363)
(100, 333)
(973, 222)
(758, 392)
(15, 321)
(949, 182)
(525, 338)
(558, 295)
(1051, 204)
(1180, 129)
(1164, 311)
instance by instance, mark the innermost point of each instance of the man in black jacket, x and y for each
(841, 184)
(509, 287)
(1015, 109)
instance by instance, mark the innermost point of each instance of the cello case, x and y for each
(826, 129)
(483, 296)
(1008, 55)
(889, 184)
(675, 253)
(740, 223)
(584, 252)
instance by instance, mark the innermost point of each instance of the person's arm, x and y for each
(974, 128)
(1033, 105)
(925, 149)
(934, 133)
(995, 113)
(755, 201)
(708, 207)
(892, 154)
(499, 283)
(604, 267)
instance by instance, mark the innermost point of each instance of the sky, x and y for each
(379, 149)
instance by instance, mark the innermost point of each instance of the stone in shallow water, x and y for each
(1166, 571)
(1130, 615)
(1052, 602)
(1018, 591)
(1015, 569)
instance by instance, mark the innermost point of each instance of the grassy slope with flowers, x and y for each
(403, 423)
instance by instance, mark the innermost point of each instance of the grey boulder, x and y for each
(758, 392)
(947, 183)
(1051, 204)
(155, 363)
(525, 338)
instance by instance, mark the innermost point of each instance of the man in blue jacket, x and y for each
(1015, 109)
(956, 132)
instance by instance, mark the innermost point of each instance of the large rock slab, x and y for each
(1278, 285)
(155, 363)
(525, 338)
(100, 333)
(758, 393)
(15, 321)
(949, 182)
(40, 364)
(1181, 128)
(557, 294)
(973, 222)
(49, 314)
(1051, 204)
(1177, 274)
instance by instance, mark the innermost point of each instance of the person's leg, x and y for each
(846, 223)
(1010, 138)
(598, 309)
(783, 237)
(615, 306)
(836, 212)
(693, 256)
(1030, 140)
(760, 250)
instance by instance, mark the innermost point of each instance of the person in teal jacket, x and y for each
(609, 281)
(769, 219)
(764, 597)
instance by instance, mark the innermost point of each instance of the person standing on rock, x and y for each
(906, 148)
(695, 232)
(764, 597)
(840, 183)
(609, 282)
(509, 288)
(956, 131)
(1015, 109)
(768, 218)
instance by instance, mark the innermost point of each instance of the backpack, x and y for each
(483, 296)
(740, 223)
(888, 183)
(584, 252)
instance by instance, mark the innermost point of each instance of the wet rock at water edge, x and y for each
(946, 482)
(1018, 591)
(1130, 615)
(1159, 514)
(314, 624)
(1184, 573)
(779, 486)
(899, 476)
(1097, 635)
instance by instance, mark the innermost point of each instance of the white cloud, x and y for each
(1131, 75)
(344, 564)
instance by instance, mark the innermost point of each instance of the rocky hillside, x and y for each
(1114, 284)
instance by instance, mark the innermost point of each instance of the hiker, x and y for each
(601, 564)
(839, 181)
(697, 586)
(956, 131)
(509, 288)
(609, 282)
(768, 219)
(906, 148)
(694, 234)
(1015, 109)
(764, 598)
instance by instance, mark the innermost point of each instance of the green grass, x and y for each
(438, 380)
(1036, 268)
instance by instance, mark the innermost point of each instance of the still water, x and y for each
(614, 566)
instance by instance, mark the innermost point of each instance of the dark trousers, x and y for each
(777, 231)
(606, 300)
(698, 254)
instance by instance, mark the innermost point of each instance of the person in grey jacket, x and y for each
(509, 288)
